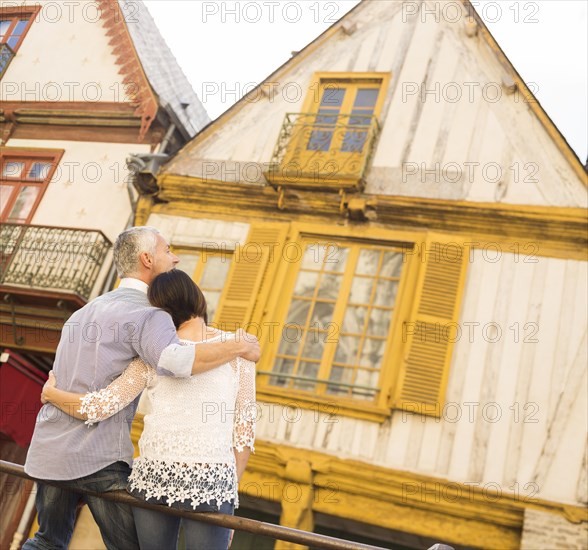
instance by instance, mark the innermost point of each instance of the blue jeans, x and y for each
(56, 509)
(160, 532)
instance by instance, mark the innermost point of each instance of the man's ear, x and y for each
(146, 260)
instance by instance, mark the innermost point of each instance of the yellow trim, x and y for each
(276, 309)
(556, 232)
(333, 168)
(426, 360)
(311, 106)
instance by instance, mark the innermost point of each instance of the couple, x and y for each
(193, 450)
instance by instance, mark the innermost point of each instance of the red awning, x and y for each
(20, 397)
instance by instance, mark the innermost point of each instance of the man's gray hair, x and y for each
(129, 245)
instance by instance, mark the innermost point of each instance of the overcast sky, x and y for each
(225, 47)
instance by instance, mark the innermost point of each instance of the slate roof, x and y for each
(162, 69)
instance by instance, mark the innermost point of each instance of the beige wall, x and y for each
(48, 67)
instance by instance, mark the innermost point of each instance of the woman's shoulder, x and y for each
(212, 335)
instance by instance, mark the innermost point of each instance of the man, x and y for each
(97, 343)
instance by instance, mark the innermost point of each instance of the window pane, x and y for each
(366, 97)
(16, 32)
(367, 264)
(24, 203)
(285, 366)
(336, 258)
(339, 374)
(355, 140)
(306, 283)
(313, 256)
(4, 24)
(379, 322)
(365, 378)
(322, 314)
(347, 350)
(386, 293)
(354, 319)
(308, 370)
(392, 264)
(332, 96)
(298, 312)
(361, 290)
(5, 194)
(188, 262)
(12, 169)
(215, 272)
(314, 345)
(291, 339)
(39, 170)
(329, 288)
(372, 353)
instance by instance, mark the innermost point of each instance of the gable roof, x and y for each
(552, 130)
(149, 69)
(162, 69)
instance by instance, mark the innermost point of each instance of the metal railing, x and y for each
(231, 522)
(6, 55)
(57, 258)
(323, 148)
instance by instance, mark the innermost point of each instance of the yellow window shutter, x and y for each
(252, 266)
(430, 333)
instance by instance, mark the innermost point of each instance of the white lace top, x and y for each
(186, 449)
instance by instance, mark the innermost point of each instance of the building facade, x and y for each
(88, 89)
(399, 221)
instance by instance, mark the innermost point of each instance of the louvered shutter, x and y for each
(252, 265)
(431, 331)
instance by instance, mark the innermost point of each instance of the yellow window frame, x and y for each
(285, 279)
(328, 168)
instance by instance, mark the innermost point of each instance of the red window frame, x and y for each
(18, 183)
(15, 14)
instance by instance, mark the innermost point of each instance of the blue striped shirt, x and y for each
(97, 343)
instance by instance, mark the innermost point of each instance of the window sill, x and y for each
(324, 405)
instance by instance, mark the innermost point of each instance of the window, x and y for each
(360, 324)
(330, 142)
(209, 271)
(24, 176)
(14, 24)
(338, 319)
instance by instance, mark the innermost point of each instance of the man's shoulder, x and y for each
(125, 298)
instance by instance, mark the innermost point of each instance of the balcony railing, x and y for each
(323, 150)
(6, 55)
(52, 258)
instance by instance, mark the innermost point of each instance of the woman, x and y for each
(198, 434)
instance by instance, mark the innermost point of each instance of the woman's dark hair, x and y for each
(176, 293)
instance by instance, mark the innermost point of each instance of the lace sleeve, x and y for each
(102, 404)
(245, 407)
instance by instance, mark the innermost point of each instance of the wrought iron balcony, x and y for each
(59, 259)
(6, 55)
(321, 150)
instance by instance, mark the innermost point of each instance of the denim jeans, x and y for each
(160, 532)
(56, 509)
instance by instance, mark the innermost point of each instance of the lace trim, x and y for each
(177, 482)
(99, 404)
(102, 404)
